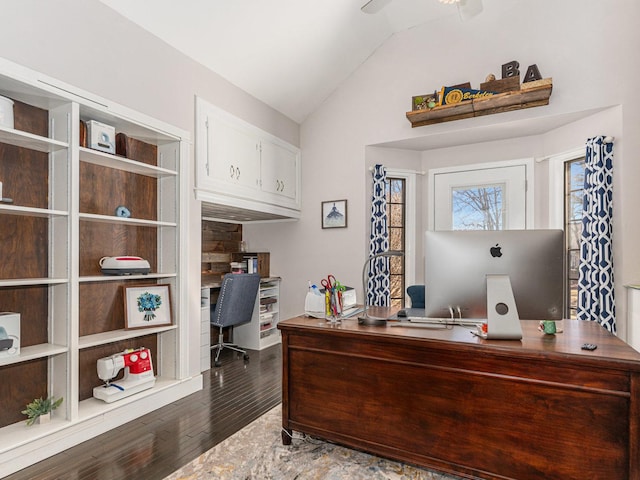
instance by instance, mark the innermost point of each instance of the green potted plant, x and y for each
(39, 410)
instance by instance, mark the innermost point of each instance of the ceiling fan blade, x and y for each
(374, 6)
(469, 8)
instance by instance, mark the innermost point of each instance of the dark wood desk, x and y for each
(540, 408)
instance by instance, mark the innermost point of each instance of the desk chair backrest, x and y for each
(416, 294)
(236, 300)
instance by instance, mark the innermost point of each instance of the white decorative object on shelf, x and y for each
(101, 136)
(9, 334)
(6, 113)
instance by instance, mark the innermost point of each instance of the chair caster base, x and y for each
(246, 356)
(217, 363)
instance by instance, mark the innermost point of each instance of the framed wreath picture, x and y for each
(146, 306)
(334, 214)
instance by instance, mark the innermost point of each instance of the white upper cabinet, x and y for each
(240, 165)
(279, 168)
(233, 156)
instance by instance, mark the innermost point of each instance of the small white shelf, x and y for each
(88, 341)
(92, 407)
(18, 434)
(19, 138)
(119, 278)
(26, 282)
(253, 335)
(136, 222)
(10, 209)
(33, 352)
(121, 163)
(269, 292)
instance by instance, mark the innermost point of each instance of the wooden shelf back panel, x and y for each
(23, 247)
(32, 305)
(104, 189)
(102, 305)
(134, 149)
(99, 240)
(24, 175)
(21, 383)
(28, 118)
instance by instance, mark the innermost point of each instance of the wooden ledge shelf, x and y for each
(531, 94)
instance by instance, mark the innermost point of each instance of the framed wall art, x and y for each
(334, 214)
(146, 306)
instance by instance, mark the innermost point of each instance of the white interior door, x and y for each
(481, 197)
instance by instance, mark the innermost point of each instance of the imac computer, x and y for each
(478, 275)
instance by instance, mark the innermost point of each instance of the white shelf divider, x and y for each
(118, 335)
(121, 163)
(28, 140)
(33, 352)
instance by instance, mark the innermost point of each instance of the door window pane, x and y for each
(477, 208)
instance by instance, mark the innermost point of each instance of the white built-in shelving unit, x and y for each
(55, 230)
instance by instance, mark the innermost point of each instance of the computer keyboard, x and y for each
(431, 320)
(444, 321)
(433, 326)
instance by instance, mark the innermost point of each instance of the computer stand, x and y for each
(503, 321)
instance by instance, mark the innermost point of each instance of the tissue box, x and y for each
(101, 136)
(314, 305)
(9, 334)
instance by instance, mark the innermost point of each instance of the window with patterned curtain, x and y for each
(395, 192)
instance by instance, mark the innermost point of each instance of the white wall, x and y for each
(583, 46)
(86, 44)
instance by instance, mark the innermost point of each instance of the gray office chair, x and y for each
(416, 294)
(234, 307)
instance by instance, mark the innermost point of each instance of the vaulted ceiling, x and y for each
(290, 54)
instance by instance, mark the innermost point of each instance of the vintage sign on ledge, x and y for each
(529, 94)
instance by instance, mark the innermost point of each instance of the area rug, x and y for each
(256, 453)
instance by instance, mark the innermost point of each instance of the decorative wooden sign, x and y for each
(531, 94)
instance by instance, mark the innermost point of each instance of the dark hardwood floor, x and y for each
(155, 445)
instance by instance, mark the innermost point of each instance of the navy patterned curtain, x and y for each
(378, 284)
(596, 300)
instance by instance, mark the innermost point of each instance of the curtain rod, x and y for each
(404, 170)
(607, 139)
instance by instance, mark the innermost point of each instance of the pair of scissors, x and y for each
(329, 283)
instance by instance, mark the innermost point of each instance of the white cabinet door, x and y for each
(227, 154)
(279, 171)
(235, 157)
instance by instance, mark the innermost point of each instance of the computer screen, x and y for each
(457, 264)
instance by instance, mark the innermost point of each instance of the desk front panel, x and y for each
(460, 407)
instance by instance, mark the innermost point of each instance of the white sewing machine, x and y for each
(138, 374)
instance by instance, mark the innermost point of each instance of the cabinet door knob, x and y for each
(237, 173)
(232, 171)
